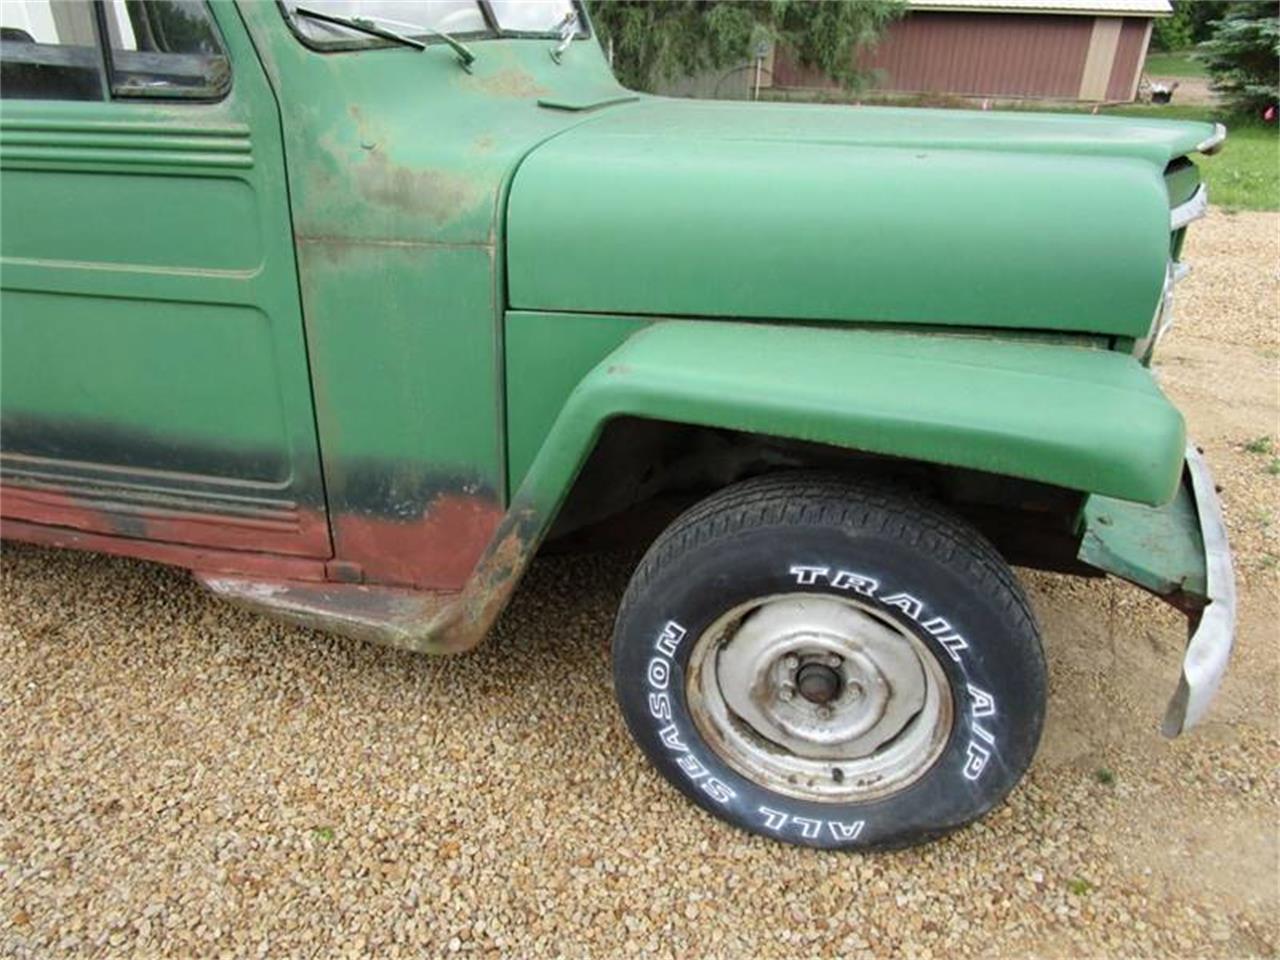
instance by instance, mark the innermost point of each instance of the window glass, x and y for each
(165, 48)
(49, 50)
(531, 16)
(407, 17)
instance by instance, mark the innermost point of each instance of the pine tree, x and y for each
(1243, 56)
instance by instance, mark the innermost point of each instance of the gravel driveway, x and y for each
(184, 778)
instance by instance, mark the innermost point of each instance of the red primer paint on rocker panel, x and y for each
(298, 533)
(51, 507)
(243, 563)
(436, 551)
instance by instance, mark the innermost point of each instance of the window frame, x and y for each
(491, 32)
(162, 96)
(104, 84)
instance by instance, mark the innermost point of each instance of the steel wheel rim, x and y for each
(819, 697)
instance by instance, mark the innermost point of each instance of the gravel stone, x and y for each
(183, 778)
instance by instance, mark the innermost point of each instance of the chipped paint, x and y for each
(435, 550)
(261, 591)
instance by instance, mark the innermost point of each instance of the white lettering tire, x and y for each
(830, 663)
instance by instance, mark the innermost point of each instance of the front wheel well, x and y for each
(643, 472)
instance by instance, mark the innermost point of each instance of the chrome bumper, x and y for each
(1195, 207)
(1213, 633)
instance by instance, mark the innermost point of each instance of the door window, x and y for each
(49, 50)
(157, 48)
(165, 48)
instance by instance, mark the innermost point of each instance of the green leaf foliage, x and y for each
(655, 40)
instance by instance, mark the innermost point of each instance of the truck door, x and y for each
(153, 374)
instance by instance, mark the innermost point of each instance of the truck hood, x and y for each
(862, 214)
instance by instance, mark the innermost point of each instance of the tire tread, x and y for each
(835, 500)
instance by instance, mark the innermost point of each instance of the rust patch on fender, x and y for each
(509, 82)
(439, 195)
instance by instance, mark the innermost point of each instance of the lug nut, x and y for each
(824, 712)
(787, 692)
(855, 691)
(791, 661)
(834, 660)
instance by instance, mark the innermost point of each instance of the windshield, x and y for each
(417, 18)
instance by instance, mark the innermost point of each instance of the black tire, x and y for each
(746, 542)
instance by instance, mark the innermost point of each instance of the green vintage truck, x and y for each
(350, 307)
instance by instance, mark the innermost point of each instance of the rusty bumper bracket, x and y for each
(1209, 648)
(1180, 553)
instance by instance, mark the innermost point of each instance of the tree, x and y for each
(1202, 15)
(1243, 56)
(1173, 32)
(654, 40)
(1188, 25)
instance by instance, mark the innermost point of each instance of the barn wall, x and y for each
(990, 54)
(1102, 55)
(1131, 51)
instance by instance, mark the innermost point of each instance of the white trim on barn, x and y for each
(1079, 8)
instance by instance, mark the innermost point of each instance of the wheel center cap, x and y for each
(820, 678)
(818, 683)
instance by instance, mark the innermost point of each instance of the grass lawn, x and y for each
(1245, 175)
(1173, 64)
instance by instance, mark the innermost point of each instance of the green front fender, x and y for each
(1086, 419)
(1082, 418)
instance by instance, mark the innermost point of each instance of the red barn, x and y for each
(1038, 49)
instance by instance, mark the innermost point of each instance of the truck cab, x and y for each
(349, 306)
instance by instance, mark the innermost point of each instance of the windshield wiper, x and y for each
(566, 29)
(370, 26)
